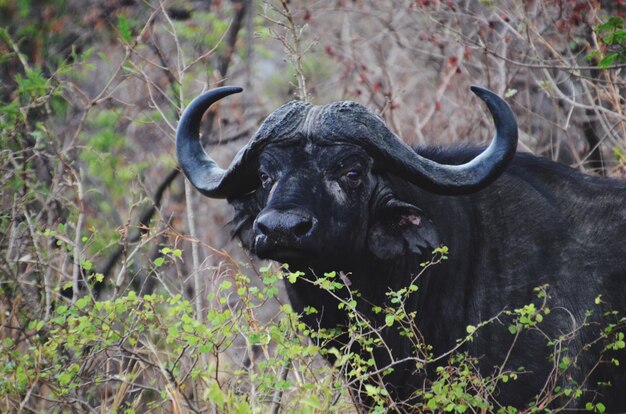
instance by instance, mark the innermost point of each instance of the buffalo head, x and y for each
(310, 187)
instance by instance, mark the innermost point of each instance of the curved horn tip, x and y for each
(235, 89)
(224, 91)
(483, 93)
(218, 93)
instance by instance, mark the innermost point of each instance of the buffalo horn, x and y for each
(202, 171)
(447, 179)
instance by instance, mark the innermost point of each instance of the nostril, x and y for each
(262, 226)
(302, 226)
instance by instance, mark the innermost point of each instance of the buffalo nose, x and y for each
(285, 224)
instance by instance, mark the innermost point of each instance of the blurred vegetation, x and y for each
(120, 290)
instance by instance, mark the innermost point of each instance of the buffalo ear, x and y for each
(401, 229)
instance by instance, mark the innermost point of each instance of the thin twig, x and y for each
(77, 236)
(278, 393)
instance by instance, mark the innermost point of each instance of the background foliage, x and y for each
(121, 291)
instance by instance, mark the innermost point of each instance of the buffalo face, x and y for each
(316, 200)
(326, 208)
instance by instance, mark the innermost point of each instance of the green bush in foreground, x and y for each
(152, 354)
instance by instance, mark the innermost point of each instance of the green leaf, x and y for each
(123, 27)
(83, 302)
(611, 24)
(216, 395)
(371, 390)
(86, 264)
(65, 378)
(4, 36)
(619, 37)
(292, 277)
(13, 109)
(389, 319)
(203, 348)
(510, 92)
(158, 262)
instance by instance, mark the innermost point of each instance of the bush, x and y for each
(151, 353)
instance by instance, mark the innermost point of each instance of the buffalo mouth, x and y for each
(280, 251)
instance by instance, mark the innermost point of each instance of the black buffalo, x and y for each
(330, 187)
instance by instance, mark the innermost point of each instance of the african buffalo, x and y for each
(331, 188)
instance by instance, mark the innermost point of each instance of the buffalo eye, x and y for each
(266, 179)
(353, 177)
